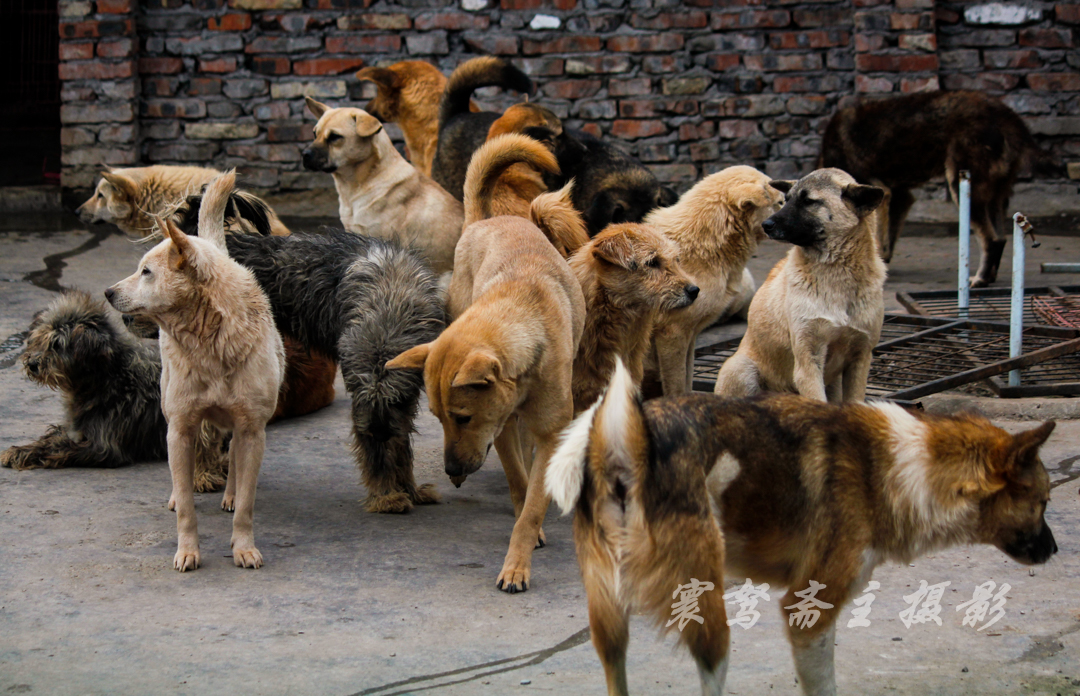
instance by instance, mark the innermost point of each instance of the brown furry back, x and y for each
(483, 199)
(554, 213)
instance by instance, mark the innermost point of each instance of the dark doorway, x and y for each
(29, 93)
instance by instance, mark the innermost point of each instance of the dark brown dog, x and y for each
(903, 142)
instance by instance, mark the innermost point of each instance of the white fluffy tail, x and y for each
(212, 212)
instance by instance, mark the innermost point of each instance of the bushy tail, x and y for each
(616, 425)
(554, 213)
(485, 71)
(244, 212)
(492, 159)
(212, 212)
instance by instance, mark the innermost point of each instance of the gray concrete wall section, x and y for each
(353, 603)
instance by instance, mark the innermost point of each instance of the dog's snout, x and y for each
(32, 366)
(109, 294)
(769, 226)
(692, 292)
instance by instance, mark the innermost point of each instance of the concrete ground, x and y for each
(351, 603)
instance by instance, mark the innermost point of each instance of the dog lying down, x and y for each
(861, 484)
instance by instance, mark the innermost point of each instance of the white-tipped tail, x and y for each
(617, 405)
(566, 470)
(212, 210)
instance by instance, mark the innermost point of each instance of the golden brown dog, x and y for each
(815, 321)
(409, 95)
(222, 361)
(717, 226)
(504, 366)
(502, 169)
(379, 193)
(523, 181)
(629, 275)
(132, 198)
(861, 484)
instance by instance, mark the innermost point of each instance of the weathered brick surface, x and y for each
(690, 87)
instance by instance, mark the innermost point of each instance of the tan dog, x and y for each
(629, 275)
(409, 95)
(222, 361)
(504, 167)
(816, 319)
(379, 193)
(523, 181)
(133, 198)
(717, 225)
(503, 368)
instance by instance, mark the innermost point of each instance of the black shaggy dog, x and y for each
(112, 397)
(361, 301)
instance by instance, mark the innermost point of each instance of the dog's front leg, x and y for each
(245, 455)
(671, 350)
(856, 373)
(809, 373)
(514, 576)
(181, 442)
(508, 446)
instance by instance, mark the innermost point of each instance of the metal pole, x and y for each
(1016, 316)
(963, 274)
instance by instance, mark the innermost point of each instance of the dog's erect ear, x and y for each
(380, 76)
(865, 199)
(478, 370)
(412, 359)
(124, 185)
(782, 185)
(747, 196)
(183, 252)
(367, 125)
(616, 249)
(1026, 444)
(317, 108)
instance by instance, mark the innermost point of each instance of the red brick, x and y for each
(203, 86)
(784, 62)
(454, 21)
(637, 108)
(628, 88)
(655, 43)
(565, 5)
(121, 48)
(809, 39)
(692, 19)
(632, 130)
(96, 70)
(1054, 82)
(697, 131)
(175, 108)
(161, 65)
(765, 19)
(866, 43)
(1046, 38)
(270, 65)
(921, 84)
(572, 89)
(722, 61)
(899, 21)
(234, 21)
(566, 44)
(659, 64)
(223, 65)
(593, 129)
(1070, 14)
(495, 45)
(383, 21)
(944, 15)
(867, 85)
(521, 4)
(918, 42)
(114, 6)
(887, 63)
(160, 86)
(737, 128)
(93, 29)
(327, 66)
(77, 51)
(383, 43)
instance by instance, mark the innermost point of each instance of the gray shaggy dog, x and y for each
(112, 398)
(361, 301)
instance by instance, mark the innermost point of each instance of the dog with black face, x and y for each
(815, 320)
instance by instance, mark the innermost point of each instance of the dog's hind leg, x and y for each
(814, 660)
(983, 208)
(228, 501)
(181, 440)
(609, 623)
(739, 377)
(900, 202)
(211, 459)
(56, 450)
(245, 460)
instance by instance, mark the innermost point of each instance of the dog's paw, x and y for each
(186, 558)
(17, 458)
(426, 495)
(247, 557)
(228, 502)
(541, 540)
(394, 503)
(978, 281)
(513, 578)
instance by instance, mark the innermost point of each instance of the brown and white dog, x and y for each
(717, 226)
(503, 368)
(133, 198)
(379, 193)
(685, 489)
(815, 320)
(222, 361)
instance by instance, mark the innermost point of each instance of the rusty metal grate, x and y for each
(986, 304)
(919, 355)
(1058, 311)
(1057, 377)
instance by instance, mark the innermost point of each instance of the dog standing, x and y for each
(222, 361)
(379, 193)
(861, 484)
(110, 382)
(717, 226)
(903, 142)
(503, 368)
(815, 320)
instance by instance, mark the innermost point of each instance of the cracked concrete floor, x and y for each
(354, 603)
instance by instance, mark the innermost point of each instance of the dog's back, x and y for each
(462, 131)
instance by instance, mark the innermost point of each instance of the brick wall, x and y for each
(691, 87)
